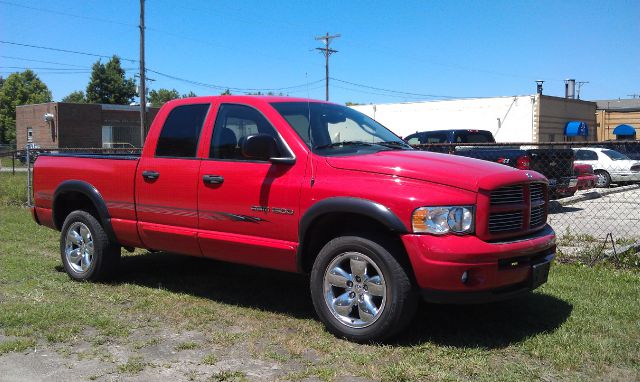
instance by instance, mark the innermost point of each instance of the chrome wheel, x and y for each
(354, 289)
(78, 247)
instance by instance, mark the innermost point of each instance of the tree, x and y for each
(226, 92)
(348, 103)
(161, 96)
(19, 89)
(75, 97)
(189, 95)
(109, 85)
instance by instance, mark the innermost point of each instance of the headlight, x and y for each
(441, 220)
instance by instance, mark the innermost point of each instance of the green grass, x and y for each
(583, 325)
(6, 162)
(134, 365)
(229, 376)
(13, 189)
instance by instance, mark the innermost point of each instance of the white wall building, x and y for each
(528, 118)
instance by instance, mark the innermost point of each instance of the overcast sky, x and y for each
(427, 48)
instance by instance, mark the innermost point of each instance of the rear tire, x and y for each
(360, 290)
(85, 249)
(604, 179)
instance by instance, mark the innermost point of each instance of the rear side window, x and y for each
(586, 155)
(474, 137)
(435, 138)
(181, 130)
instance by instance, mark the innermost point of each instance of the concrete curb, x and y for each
(595, 194)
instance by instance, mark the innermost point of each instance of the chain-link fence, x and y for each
(594, 187)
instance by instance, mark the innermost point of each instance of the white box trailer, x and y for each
(509, 119)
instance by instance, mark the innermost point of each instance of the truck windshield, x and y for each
(334, 129)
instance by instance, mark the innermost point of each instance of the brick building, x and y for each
(59, 125)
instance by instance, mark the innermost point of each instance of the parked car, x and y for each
(555, 164)
(586, 180)
(586, 177)
(34, 151)
(630, 148)
(305, 186)
(609, 166)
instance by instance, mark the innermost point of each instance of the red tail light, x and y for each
(523, 163)
(502, 160)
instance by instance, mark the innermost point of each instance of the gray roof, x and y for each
(619, 104)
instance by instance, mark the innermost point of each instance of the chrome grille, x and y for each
(505, 221)
(538, 217)
(537, 192)
(508, 195)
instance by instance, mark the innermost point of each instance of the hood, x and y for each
(450, 170)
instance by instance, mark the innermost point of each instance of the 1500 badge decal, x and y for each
(275, 210)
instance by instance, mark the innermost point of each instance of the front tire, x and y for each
(85, 249)
(360, 290)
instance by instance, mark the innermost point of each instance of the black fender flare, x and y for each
(364, 207)
(93, 195)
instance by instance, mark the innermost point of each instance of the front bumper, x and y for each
(465, 269)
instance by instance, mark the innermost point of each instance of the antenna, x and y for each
(579, 86)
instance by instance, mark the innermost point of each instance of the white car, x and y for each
(609, 165)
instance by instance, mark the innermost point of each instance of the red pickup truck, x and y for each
(305, 186)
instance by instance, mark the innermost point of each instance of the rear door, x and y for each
(167, 182)
(248, 209)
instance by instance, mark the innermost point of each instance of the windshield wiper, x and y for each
(395, 145)
(343, 143)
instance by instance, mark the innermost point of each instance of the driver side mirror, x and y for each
(263, 147)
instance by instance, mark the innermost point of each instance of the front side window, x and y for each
(181, 130)
(336, 130)
(234, 124)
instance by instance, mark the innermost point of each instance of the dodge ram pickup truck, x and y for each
(554, 163)
(305, 186)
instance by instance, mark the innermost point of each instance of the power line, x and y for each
(394, 91)
(327, 52)
(68, 14)
(379, 94)
(221, 87)
(64, 50)
(212, 86)
(41, 61)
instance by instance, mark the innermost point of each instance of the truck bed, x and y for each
(99, 173)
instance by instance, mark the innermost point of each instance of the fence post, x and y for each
(13, 163)
(28, 158)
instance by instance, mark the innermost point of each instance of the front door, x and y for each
(248, 210)
(167, 183)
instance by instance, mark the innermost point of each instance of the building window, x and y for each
(29, 134)
(120, 136)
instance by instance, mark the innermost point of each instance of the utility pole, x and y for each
(327, 52)
(580, 83)
(143, 84)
